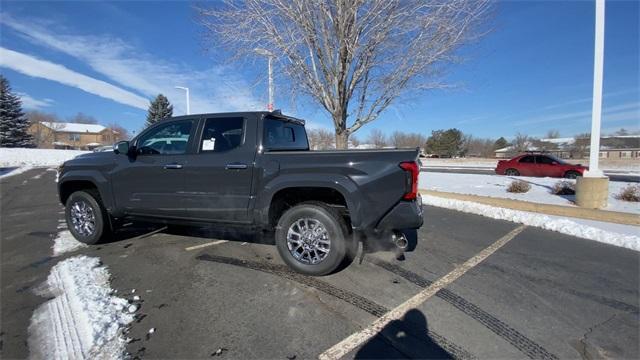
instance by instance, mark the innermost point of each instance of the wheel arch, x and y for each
(278, 197)
(76, 181)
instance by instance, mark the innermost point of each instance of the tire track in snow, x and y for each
(72, 324)
(83, 320)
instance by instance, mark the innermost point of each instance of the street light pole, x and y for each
(269, 56)
(186, 89)
(270, 105)
(596, 109)
(592, 189)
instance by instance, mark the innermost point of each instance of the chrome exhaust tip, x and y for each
(399, 240)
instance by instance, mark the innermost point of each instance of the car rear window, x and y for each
(284, 135)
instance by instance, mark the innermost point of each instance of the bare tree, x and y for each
(354, 141)
(46, 126)
(377, 138)
(354, 58)
(116, 133)
(400, 139)
(477, 147)
(520, 143)
(321, 139)
(581, 143)
(82, 118)
(553, 134)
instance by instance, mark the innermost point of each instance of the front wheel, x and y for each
(571, 174)
(512, 172)
(313, 239)
(86, 217)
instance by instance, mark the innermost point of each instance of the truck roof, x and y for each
(276, 114)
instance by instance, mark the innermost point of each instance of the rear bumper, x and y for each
(405, 215)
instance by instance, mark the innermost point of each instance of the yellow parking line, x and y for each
(205, 245)
(358, 338)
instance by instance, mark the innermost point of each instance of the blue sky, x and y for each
(532, 73)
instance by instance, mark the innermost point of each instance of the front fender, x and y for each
(342, 184)
(93, 176)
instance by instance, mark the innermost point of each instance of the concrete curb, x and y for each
(548, 209)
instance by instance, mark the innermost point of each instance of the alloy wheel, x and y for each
(83, 218)
(308, 241)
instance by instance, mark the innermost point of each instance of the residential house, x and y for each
(58, 135)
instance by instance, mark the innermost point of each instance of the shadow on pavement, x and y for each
(133, 230)
(224, 232)
(405, 338)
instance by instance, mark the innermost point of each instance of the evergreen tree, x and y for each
(13, 123)
(447, 143)
(159, 109)
(500, 143)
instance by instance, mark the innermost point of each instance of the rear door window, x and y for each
(222, 134)
(527, 160)
(284, 135)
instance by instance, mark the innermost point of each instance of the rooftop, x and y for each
(74, 127)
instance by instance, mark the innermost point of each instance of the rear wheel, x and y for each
(313, 239)
(86, 217)
(571, 174)
(512, 172)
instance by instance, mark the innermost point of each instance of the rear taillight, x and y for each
(413, 170)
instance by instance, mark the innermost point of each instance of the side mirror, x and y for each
(121, 147)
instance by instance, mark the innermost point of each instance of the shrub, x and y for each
(519, 186)
(564, 187)
(629, 193)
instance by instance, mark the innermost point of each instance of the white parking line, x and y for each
(205, 245)
(356, 339)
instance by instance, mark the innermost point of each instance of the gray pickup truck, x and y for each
(250, 169)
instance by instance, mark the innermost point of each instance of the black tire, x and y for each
(571, 174)
(342, 243)
(101, 230)
(512, 172)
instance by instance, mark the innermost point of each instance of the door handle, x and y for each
(235, 166)
(173, 166)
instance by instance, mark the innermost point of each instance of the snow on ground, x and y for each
(613, 234)
(10, 171)
(496, 185)
(83, 320)
(19, 157)
(65, 242)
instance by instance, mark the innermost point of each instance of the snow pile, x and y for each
(65, 242)
(496, 185)
(82, 321)
(612, 234)
(12, 157)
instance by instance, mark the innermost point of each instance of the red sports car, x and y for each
(539, 165)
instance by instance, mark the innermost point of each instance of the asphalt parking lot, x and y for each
(541, 295)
